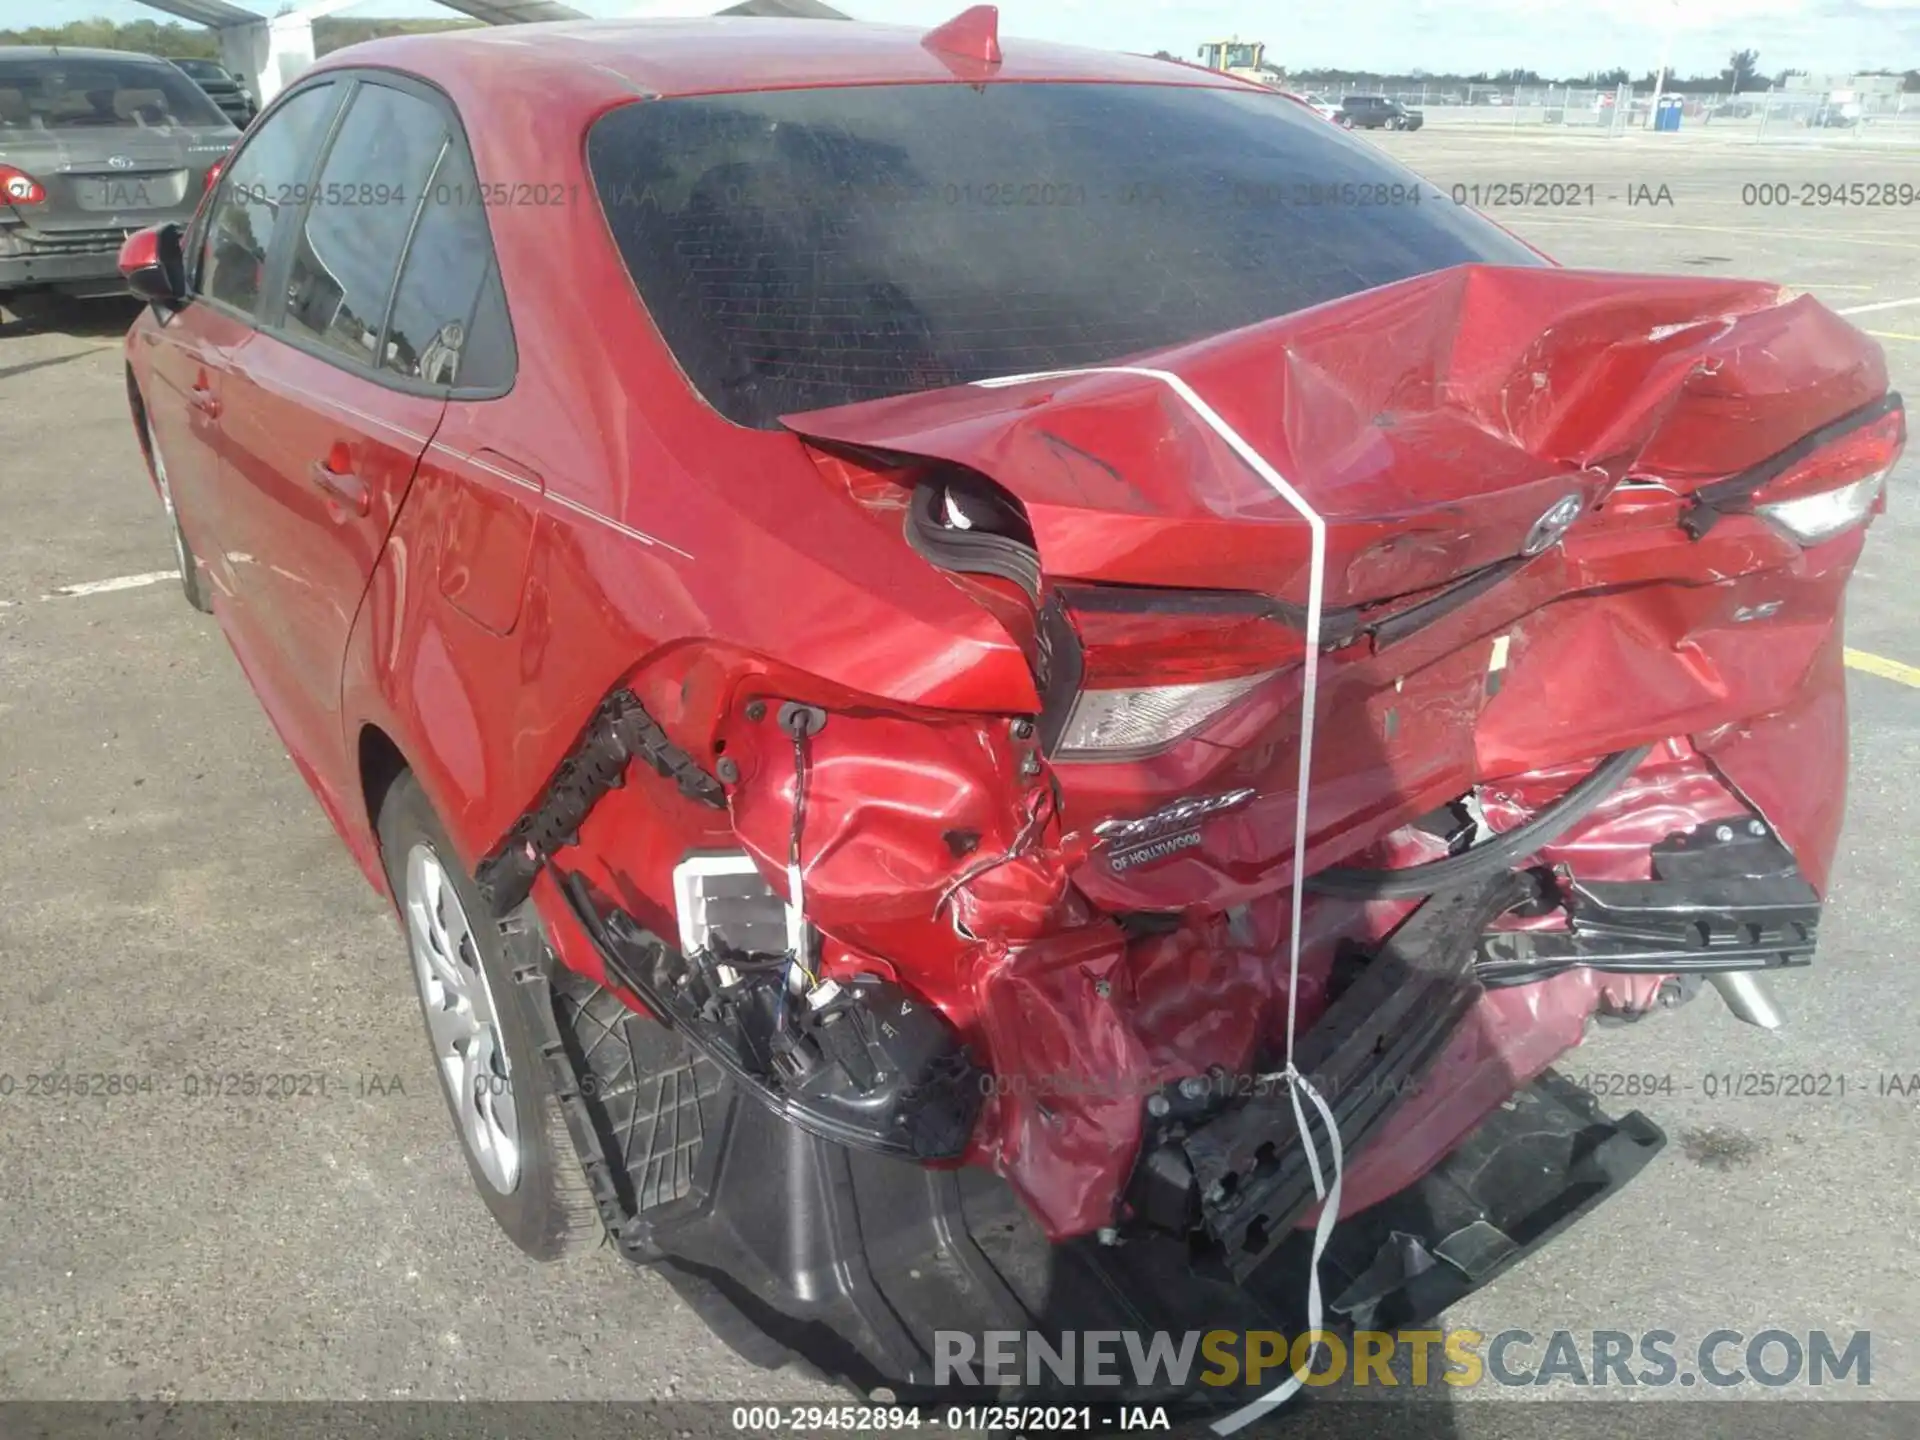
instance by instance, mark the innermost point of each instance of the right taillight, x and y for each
(1158, 665)
(1835, 486)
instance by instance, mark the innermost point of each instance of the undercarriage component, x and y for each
(619, 732)
(1724, 897)
(1246, 1166)
(1747, 998)
(859, 1062)
(790, 1246)
(1492, 856)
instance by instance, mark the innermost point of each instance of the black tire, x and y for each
(549, 1210)
(192, 583)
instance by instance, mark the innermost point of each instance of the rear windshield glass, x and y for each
(807, 248)
(82, 94)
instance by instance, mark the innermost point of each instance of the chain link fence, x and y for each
(1777, 114)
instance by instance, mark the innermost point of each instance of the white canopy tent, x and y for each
(266, 52)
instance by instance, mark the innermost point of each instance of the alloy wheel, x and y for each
(462, 1019)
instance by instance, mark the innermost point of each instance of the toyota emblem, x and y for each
(120, 162)
(1552, 525)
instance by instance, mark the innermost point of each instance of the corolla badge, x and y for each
(119, 162)
(1169, 829)
(1551, 526)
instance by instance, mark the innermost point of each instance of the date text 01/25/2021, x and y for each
(1017, 1419)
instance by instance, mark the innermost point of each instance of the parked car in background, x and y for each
(1325, 108)
(1377, 112)
(95, 144)
(222, 88)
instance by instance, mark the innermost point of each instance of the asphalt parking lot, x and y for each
(175, 908)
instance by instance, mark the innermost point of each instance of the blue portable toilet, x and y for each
(1667, 117)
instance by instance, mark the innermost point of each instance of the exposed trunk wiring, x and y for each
(797, 959)
(1328, 1192)
(1040, 808)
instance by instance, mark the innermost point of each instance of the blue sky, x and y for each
(1551, 36)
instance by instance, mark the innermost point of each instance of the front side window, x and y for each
(361, 210)
(806, 248)
(266, 179)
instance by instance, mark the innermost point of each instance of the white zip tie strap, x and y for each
(1328, 1193)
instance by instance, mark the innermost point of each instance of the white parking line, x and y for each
(119, 582)
(1879, 305)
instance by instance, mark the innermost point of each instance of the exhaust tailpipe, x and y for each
(1747, 997)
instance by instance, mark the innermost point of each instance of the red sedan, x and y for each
(953, 654)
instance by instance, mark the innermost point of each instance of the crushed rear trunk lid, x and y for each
(1432, 422)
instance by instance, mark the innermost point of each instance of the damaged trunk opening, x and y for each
(1579, 749)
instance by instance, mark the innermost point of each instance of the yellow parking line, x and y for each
(1886, 669)
(1892, 335)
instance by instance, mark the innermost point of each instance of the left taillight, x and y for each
(20, 188)
(1836, 485)
(1158, 665)
(213, 174)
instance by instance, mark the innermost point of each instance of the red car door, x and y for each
(191, 351)
(330, 407)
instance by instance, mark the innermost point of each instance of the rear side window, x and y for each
(361, 209)
(268, 177)
(807, 248)
(448, 324)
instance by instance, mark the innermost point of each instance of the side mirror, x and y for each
(153, 265)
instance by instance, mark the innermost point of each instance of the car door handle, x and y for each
(205, 401)
(350, 490)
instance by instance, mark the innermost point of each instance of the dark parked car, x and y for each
(1377, 112)
(222, 88)
(845, 789)
(95, 144)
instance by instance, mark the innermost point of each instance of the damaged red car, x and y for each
(810, 561)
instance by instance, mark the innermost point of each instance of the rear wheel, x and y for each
(486, 1047)
(191, 581)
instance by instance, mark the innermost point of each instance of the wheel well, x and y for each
(381, 763)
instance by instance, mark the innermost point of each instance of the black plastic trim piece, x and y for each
(634, 957)
(1062, 666)
(1499, 853)
(1367, 1053)
(1700, 924)
(1402, 623)
(619, 732)
(1734, 496)
(967, 552)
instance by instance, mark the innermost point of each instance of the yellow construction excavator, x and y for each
(1244, 58)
